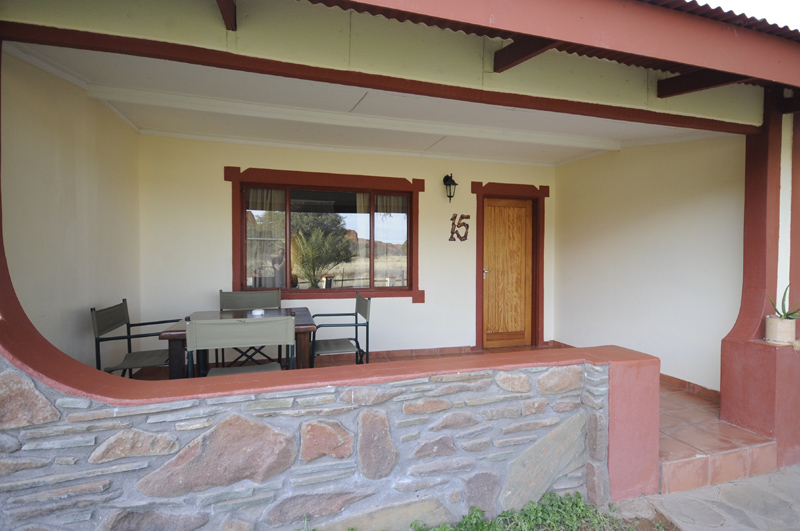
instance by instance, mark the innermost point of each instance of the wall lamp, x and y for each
(449, 187)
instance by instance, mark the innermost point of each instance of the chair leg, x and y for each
(190, 364)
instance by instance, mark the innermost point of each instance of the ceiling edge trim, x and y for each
(22, 32)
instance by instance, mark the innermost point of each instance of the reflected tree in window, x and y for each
(333, 238)
(319, 244)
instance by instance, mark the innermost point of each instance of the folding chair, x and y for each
(107, 320)
(248, 300)
(348, 345)
(203, 335)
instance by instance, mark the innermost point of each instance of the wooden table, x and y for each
(176, 335)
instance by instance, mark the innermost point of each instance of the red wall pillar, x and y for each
(759, 381)
(633, 416)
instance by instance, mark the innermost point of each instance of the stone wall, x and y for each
(368, 457)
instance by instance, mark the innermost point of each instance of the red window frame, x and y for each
(261, 177)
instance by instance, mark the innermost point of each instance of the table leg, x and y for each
(302, 350)
(177, 359)
(202, 362)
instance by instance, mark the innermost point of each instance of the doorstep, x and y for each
(697, 449)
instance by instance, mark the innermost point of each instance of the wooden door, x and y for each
(508, 272)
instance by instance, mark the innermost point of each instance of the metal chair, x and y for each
(204, 335)
(248, 300)
(349, 345)
(106, 320)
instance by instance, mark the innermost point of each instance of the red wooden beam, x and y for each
(630, 27)
(523, 48)
(697, 81)
(19, 32)
(791, 106)
(227, 9)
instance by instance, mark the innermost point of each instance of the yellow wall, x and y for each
(627, 233)
(70, 204)
(298, 32)
(186, 234)
(649, 252)
(94, 212)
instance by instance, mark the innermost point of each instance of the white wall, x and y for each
(649, 252)
(186, 234)
(70, 205)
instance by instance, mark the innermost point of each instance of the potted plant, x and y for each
(780, 328)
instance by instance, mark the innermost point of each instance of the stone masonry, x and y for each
(372, 457)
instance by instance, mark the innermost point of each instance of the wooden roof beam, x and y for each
(791, 105)
(523, 48)
(697, 81)
(629, 27)
(227, 9)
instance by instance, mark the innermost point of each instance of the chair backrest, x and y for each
(249, 300)
(232, 333)
(362, 306)
(107, 319)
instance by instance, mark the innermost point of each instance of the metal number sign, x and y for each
(454, 233)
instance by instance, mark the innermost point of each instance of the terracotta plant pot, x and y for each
(780, 331)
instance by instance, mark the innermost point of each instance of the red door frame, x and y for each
(513, 191)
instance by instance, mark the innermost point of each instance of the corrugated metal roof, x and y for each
(729, 17)
(686, 6)
(416, 18)
(625, 58)
(474, 29)
(691, 7)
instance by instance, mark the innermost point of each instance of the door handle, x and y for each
(486, 271)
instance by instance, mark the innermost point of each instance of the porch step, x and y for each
(697, 449)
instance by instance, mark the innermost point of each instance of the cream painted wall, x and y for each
(338, 39)
(625, 222)
(785, 233)
(197, 22)
(619, 229)
(186, 234)
(649, 252)
(70, 205)
(148, 218)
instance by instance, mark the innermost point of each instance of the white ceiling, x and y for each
(160, 97)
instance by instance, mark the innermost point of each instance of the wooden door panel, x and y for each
(508, 258)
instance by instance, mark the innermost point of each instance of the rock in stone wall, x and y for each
(371, 457)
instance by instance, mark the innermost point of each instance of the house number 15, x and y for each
(455, 226)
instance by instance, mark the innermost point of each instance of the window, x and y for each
(297, 232)
(330, 234)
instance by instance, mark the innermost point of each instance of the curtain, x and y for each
(266, 199)
(391, 204)
(266, 246)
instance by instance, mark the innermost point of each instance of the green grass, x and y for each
(551, 513)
